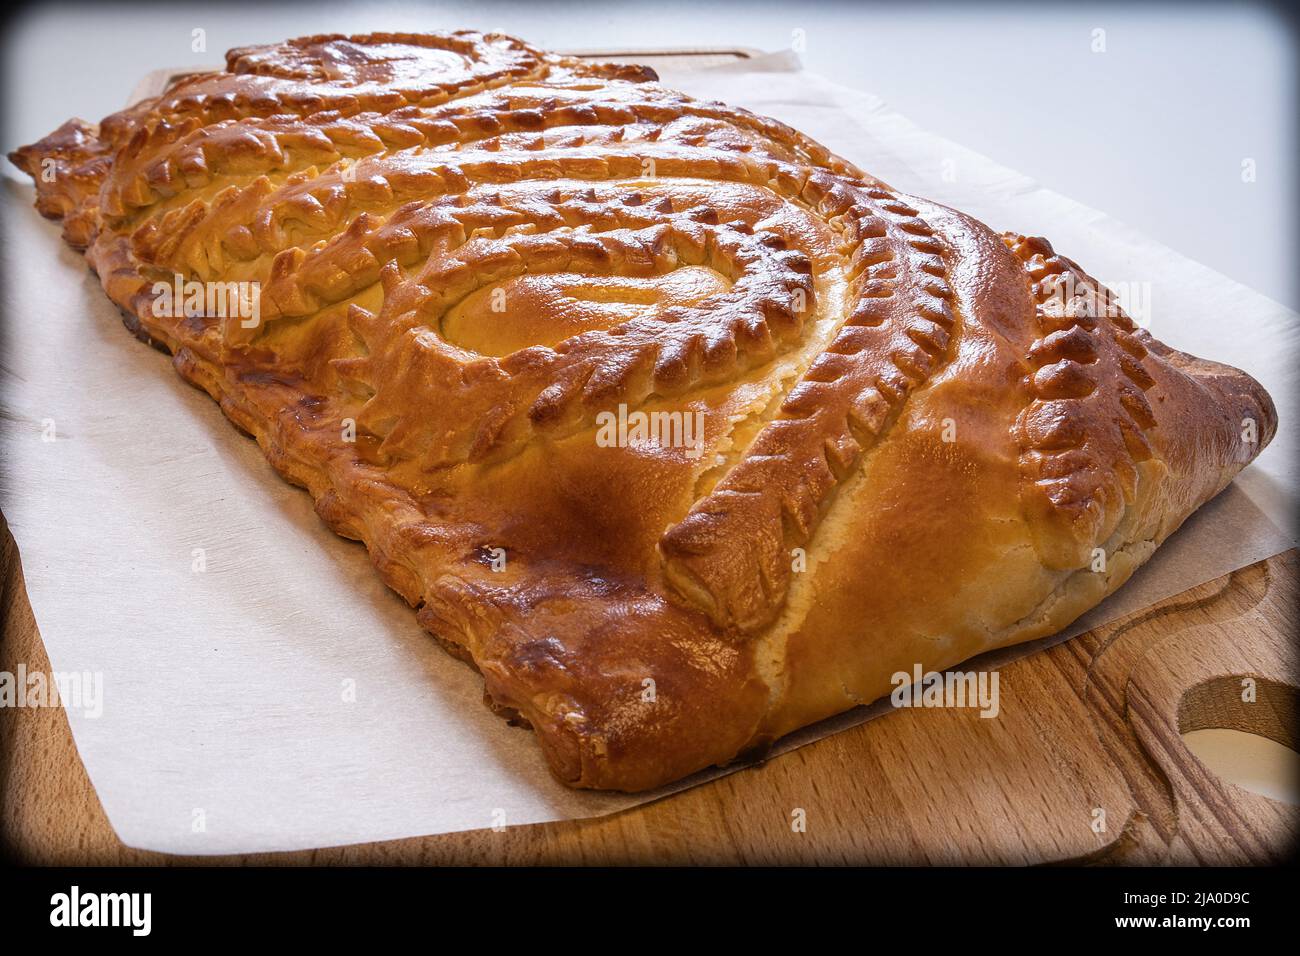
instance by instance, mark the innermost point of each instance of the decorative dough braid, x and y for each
(915, 435)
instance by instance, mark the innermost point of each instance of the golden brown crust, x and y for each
(914, 435)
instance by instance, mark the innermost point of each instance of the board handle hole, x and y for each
(1243, 729)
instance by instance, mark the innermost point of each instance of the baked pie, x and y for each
(683, 431)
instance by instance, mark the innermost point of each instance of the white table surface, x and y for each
(1154, 130)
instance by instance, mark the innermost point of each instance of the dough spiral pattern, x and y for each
(468, 253)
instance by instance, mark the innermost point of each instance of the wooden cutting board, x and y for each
(1089, 727)
(1085, 763)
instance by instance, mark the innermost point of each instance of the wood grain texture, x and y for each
(1091, 724)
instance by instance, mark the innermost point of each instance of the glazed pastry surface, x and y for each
(683, 431)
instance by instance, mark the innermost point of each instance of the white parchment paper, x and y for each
(281, 698)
